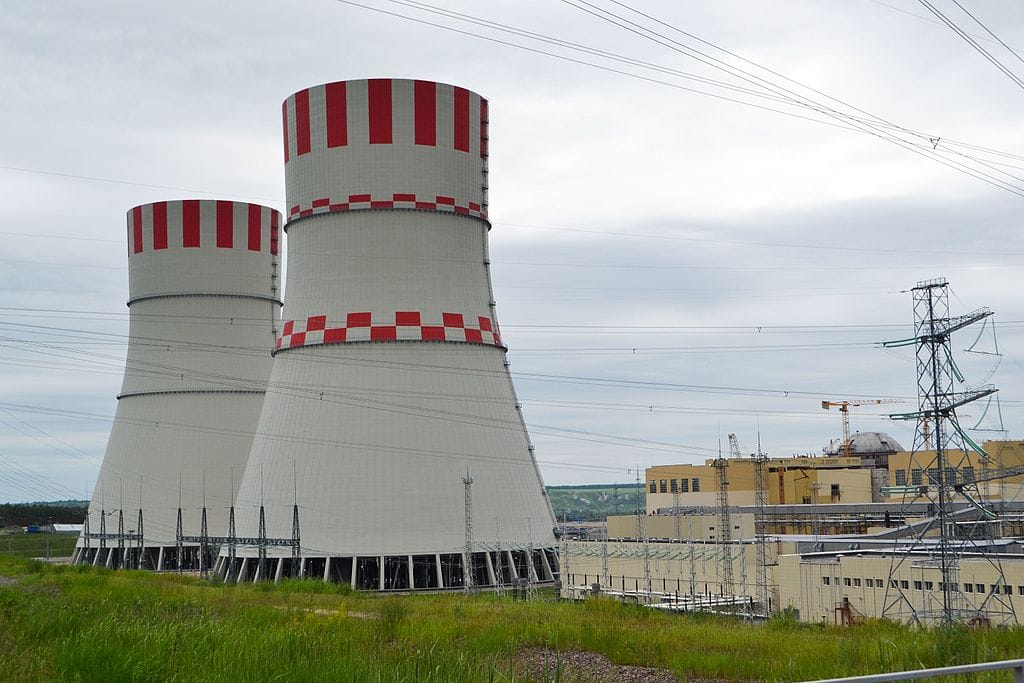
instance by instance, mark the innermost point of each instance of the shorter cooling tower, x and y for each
(398, 391)
(204, 306)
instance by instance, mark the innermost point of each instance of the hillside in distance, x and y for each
(593, 502)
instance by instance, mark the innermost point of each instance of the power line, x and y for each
(865, 126)
(973, 43)
(926, 148)
(999, 40)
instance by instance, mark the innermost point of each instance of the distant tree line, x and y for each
(25, 514)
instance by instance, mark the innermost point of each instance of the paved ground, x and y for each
(546, 665)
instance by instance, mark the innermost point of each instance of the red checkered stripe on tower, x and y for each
(398, 200)
(366, 326)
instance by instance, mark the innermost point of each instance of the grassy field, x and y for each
(38, 545)
(64, 623)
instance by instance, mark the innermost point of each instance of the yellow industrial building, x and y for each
(837, 537)
(869, 477)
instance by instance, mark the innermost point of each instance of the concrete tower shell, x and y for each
(204, 310)
(392, 355)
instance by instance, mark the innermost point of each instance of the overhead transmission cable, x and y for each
(928, 150)
(865, 126)
(999, 40)
(992, 59)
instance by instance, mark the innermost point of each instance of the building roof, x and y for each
(867, 443)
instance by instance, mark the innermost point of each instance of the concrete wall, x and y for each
(684, 527)
(817, 586)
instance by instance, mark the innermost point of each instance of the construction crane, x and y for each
(844, 410)
(734, 447)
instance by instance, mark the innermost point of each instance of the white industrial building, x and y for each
(204, 304)
(391, 451)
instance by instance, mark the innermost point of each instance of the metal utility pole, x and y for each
(261, 546)
(120, 540)
(760, 505)
(816, 518)
(296, 529)
(141, 545)
(724, 524)
(947, 477)
(297, 541)
(641, 530)
(179, 548)
(499, 571)
(467, 562)
(204, 533)
(120, 531)
(232, 541)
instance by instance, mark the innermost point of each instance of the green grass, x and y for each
(36, 545)
(72, 623)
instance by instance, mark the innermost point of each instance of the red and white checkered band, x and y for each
(365, 326)
(359, 202)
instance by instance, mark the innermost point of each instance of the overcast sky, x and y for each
(669, 266)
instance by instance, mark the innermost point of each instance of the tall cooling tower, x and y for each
(204, 310)
(390, 381)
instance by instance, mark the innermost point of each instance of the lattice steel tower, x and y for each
(941, 473)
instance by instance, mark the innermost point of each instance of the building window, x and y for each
(933, 475)
(995, 588)
(915, 477)
(825, 580)
(901, 477)
(878, 582)
(968, 475)
(654, 486)
(696, 485)
(684, 485)
(892, 583)
(846, 581)
(917, 585)
(674, 485)
(929, 586)
(856, 583)
(968, 588)
(1020, 590)
(904, 585)
(1007, 589)
(663, 486)
(979, 587)
(950, 476)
